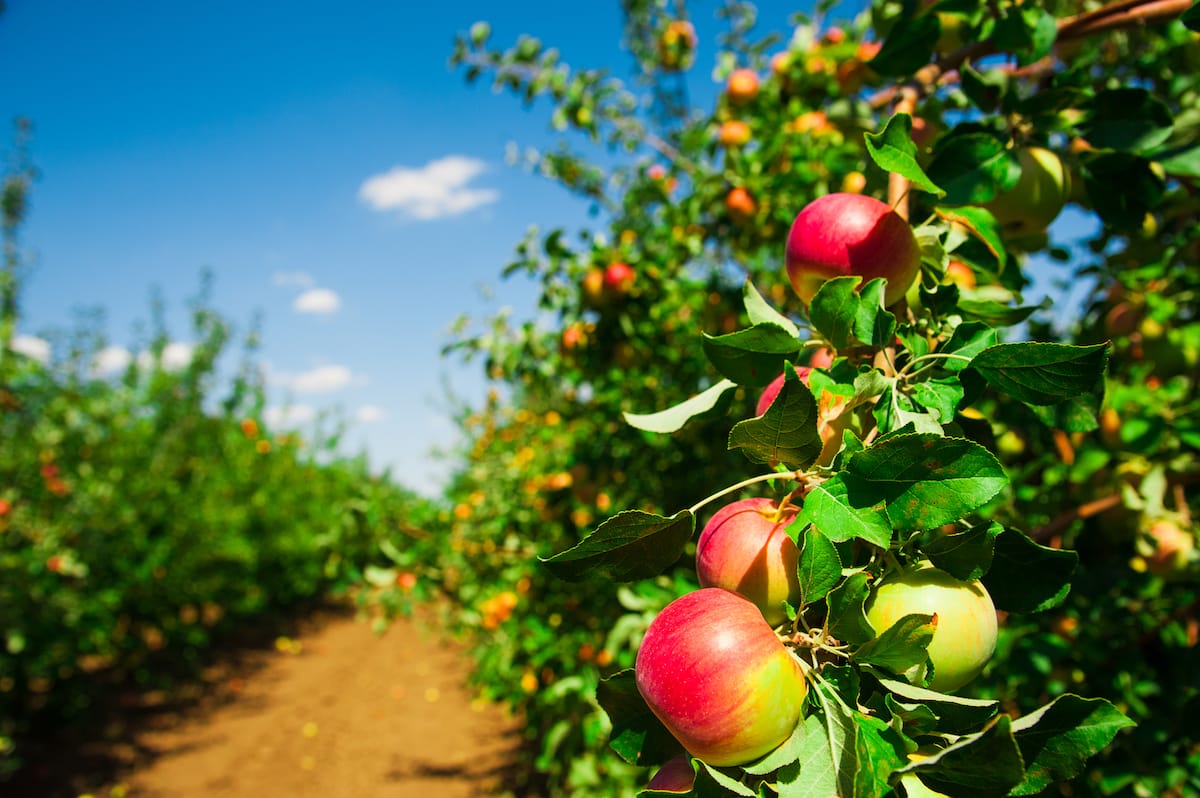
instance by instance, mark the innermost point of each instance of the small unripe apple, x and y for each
(1038, 197)
(966, 629)
(843, 234)
(619, 277)
(745, 548)
(733, 133)
(593, 288)
(960, 274)
(717, 676)
(742, 86)
(675, 775)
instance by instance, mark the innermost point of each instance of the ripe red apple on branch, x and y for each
(840, 235)
(965, 638)
(745, 548)
(619, 277)
(716, 675)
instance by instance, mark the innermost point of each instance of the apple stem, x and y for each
(797, 475)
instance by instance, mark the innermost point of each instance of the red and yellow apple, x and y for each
(741, 205)
(619, 277)
(742, 86)
(593, 288)
(965, 617)
(843, 234)
(733, 133)
(745, 548)
(717, 676)
(960, 274)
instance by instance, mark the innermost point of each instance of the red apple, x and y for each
(619, 277)
(714, 672)
(741, 205)
(745, 548)
(851, 234)
(676, 775)
(965, 637)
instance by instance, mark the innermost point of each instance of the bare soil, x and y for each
(329, 710)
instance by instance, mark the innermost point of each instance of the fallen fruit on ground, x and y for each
(714, 672)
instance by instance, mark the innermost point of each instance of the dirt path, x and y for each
(332, 711)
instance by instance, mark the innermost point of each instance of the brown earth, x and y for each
(328, 710)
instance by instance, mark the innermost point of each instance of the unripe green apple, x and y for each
(843, 234)
(717, 676)
(965, 636)
(744, 548)
(1038, 197)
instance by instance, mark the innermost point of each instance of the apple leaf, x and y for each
(982, 225)
(1026, 31)
(751, 356)
(986, 90)
(847, 620)
(1128, 119)
(1191, 17)
(901, 646)
(785, 754)
(927, 480)
(980, 765)
(874, 324)
(843, 507)
(965, 555)
(969, 339)
(834, 310)
(820, 567)
(1043, 373)
(713, 783)
(786, 433)
(1077, 414)
(907, 46)
(955, 714)
(673, 418)
(1057, 739)
(841, 733)
(760, 312)
(629, 546)
(973, 168)
(941, 396)
(881, 752)
(637, 736)
(893, 150)
(816, 776)
(1141, 189)
(1027, 577)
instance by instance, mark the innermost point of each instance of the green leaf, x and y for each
(1127, 119)
(901, 646)
(760, 312)
(843, 507)
(880, 753)
(969, 339)
(982, 225)
(834, 310)
(751, 356)
(1027, 577)
(630, 545)
(1027, 31)
(973, 168)
(940, 395)
(1077, 414)
(985, 90)
(1191, 17)
(967, 555)
(927, 480)
(847, 619)
(637, 735)
(992, 312)
(841, 733)
(983, 765)
(955, 714)
(1057, 739)
(873, 323)
(786, 433)
(817, 776)
(1043, 373)
(893, 151)
(1141, 189)
(908, 46)
(820, 567)
(713, 783)
(673, 418)
(785, 754)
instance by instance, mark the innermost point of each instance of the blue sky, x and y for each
(329, 169)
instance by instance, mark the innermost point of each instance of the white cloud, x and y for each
(110, 360)
(32, 346)
(299, 279)
(288, 415)
(317, 300)
(175, 356)
(435, 190)
(368, 414)
(322, 379)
